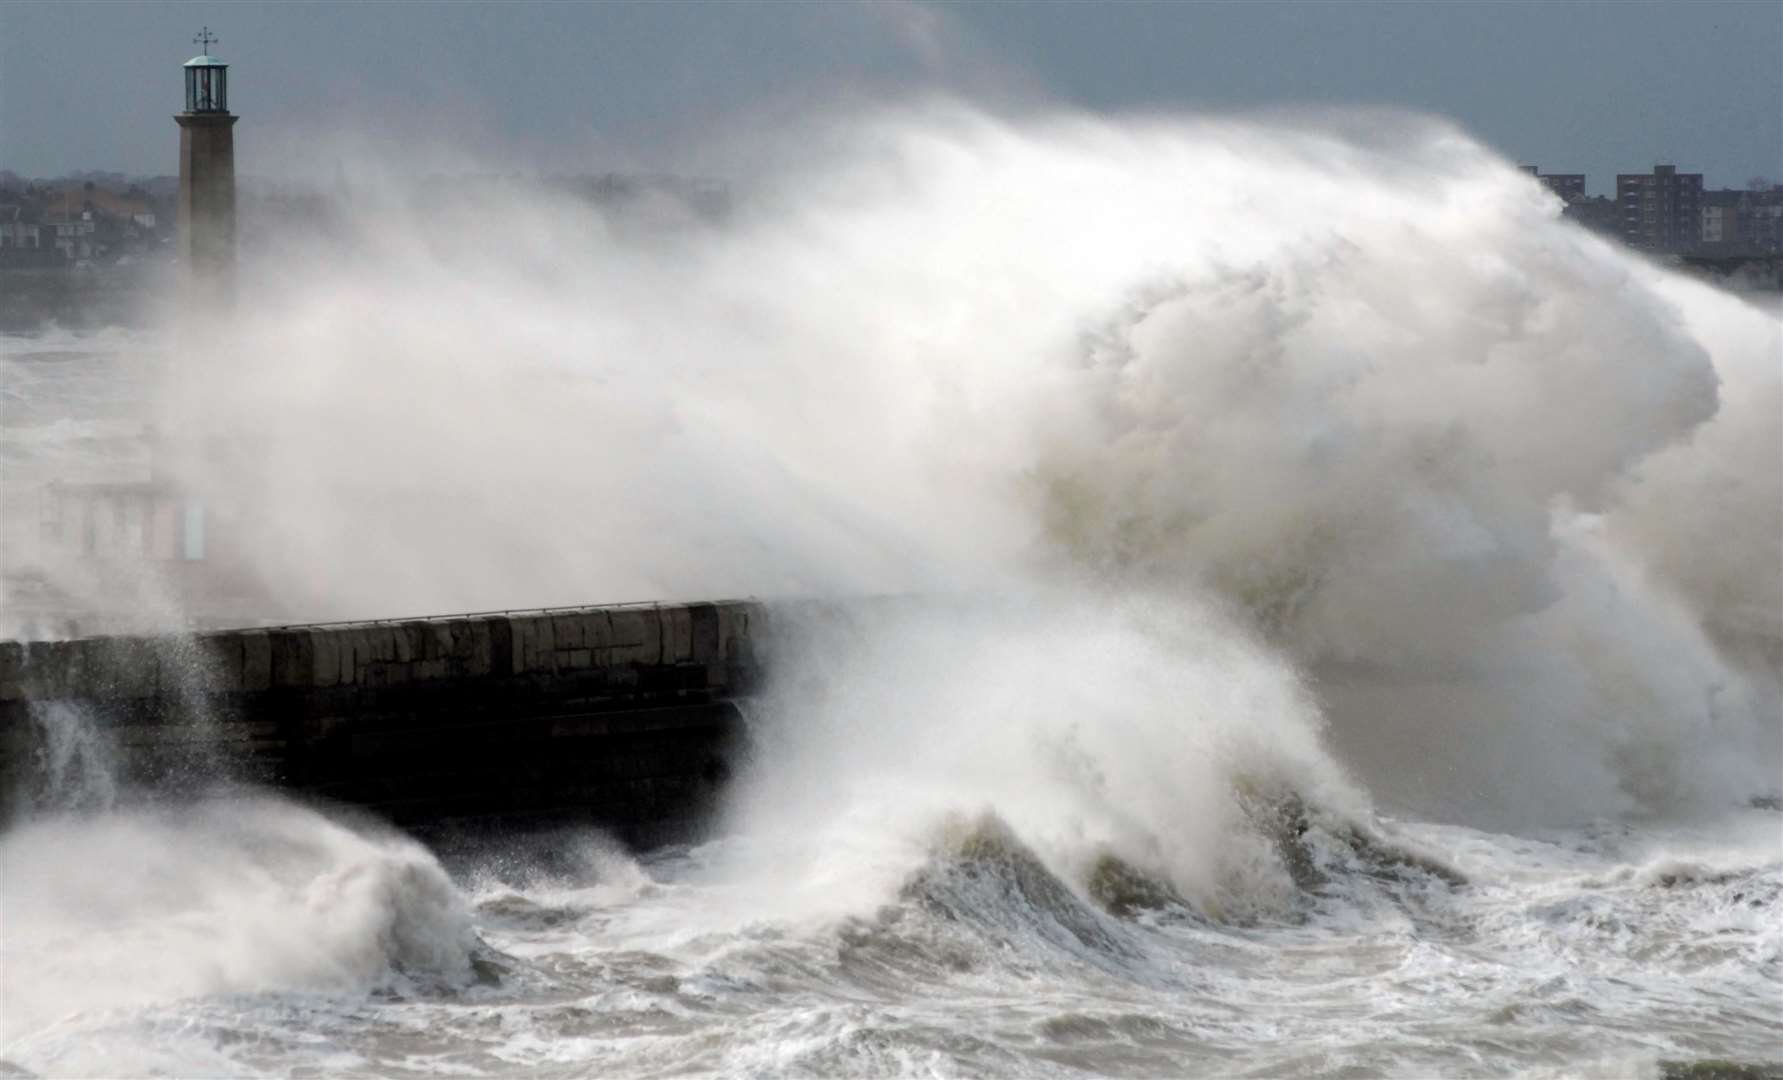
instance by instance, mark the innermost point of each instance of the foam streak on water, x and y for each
(333, 952)
(1340, 629)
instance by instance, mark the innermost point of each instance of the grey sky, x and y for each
(1583, 87)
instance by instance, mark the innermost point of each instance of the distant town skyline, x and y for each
(1593, 88)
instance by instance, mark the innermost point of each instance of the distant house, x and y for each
(20, 231)
(132, 520)
(1761, 220)
(1721, 219)
(72, 235)
(88, 221)
(1736, 222)
(92, 198)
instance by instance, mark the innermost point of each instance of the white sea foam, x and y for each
(1245, 476)
(1352, 380)
(145, 907)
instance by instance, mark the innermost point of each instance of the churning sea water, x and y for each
(1343, 633)
(262, 938)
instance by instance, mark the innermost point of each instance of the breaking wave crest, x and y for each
(1133, 754)
(1501, 493)
(147, 907)
(1251, 485)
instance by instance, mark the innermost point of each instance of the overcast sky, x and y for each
(1584, 87)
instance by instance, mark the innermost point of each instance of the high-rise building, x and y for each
(1569, 186)
(1660, 210)
(1595, 212)
(1761, 219)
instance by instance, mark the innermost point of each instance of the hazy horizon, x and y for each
(1592, 88)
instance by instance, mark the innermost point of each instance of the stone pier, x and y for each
(622, 717)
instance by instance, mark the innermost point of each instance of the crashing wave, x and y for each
(229, 896)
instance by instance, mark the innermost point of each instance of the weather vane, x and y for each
(205, 39)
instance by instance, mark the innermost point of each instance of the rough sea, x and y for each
(1338, 633)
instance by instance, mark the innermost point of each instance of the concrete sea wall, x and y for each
(618, 716)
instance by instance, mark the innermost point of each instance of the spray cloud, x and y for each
(1505, 492)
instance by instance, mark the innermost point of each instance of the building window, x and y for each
(194, 532)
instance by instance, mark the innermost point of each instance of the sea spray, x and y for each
(76, 766)
(1363, 389)
(1251, 476)
(151, 905)
(119, 720)
(1348, 378)
(1093, 726)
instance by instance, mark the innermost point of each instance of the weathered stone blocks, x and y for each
(125, 668)
(256, 661)
(606, 711)
(677, 635)
(325, 656)
(644, 648)
(293, 657)
(45, 669)
(568, 632)
(352, 650)
(534, 643)
(733, 631)
(501, 645)
(12, 665)
(218, 659)
(703, 634)
(597, 630)
(470, 654)
(637, 636)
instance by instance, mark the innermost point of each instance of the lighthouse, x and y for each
(207, 182)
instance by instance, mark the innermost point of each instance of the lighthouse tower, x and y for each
(207, 181)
